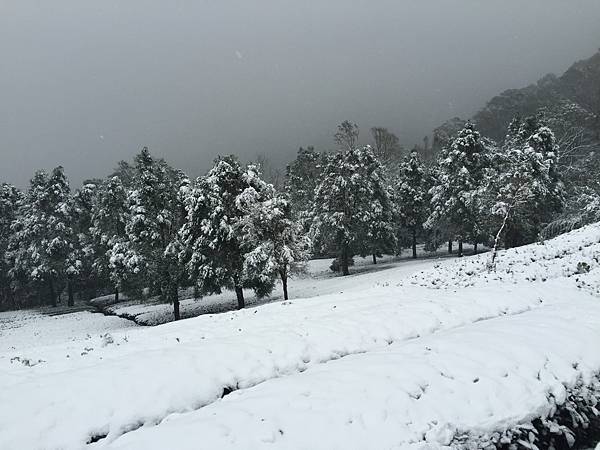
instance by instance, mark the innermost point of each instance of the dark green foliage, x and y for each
(458, 190)
(302, 178)
(41, 249)
(353, 211)
(528, 187)
(10, 198)
(412, 198)
(219, 240)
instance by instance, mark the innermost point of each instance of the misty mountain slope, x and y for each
(395, 363)
(578, 87)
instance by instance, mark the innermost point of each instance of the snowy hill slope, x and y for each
(386, 364)
(558, 258)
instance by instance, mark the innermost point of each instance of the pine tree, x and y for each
(457, 194)
(81, 273)
(108, 237)
(282, 246)
(41, 247)
(527, 187)
(352, 211)
(219, 241)
(10, 198)
(302, 177)
(411, 196)
(153, 220)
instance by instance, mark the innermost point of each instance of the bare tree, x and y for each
(386, 143)
(347, 135)
(270, 172)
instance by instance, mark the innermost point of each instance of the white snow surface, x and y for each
(318, 280)
(384, 361)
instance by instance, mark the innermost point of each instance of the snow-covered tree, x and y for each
(457, 195)
(282, 245)
(411, 195)
(302, 177)
(220, 242)
(108, 237)
(352, 211)
(526, 186)
(82, 275)
(10, 198)
(152, 223)
(41, 247)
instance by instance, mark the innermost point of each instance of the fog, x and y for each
(87, 83)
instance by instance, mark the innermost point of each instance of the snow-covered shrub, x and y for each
(583, 267)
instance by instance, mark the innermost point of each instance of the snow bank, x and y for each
(413, 395)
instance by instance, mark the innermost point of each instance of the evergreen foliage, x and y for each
(220, 241)
(41, 248)
(353, 211)
(411, 193)
(10, 199)
(152, 223)
(459, 187)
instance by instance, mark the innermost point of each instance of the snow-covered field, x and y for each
(409, 356)
(318, 280)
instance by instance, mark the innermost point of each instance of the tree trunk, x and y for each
(284, 280)
(175, 300)
(52, 291)
(116, 294)
(460, 248)
(450, 247)
(475, 248)
(414, 243)
(374, 258)
(492, 263)
(344, 260)
(240, 297)
(70, 301)
(507, 237)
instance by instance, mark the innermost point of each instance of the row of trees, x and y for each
(149, 227)
(356, 202)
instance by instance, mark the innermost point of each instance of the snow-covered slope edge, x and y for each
(424, 393)
(570, 256)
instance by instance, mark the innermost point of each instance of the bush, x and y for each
(583, 267)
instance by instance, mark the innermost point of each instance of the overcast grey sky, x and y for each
(87, 83)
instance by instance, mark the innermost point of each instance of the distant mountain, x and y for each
(577, 90)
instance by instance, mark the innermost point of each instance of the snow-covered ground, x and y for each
(407, 356)
(318, 280)
(22, 331)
